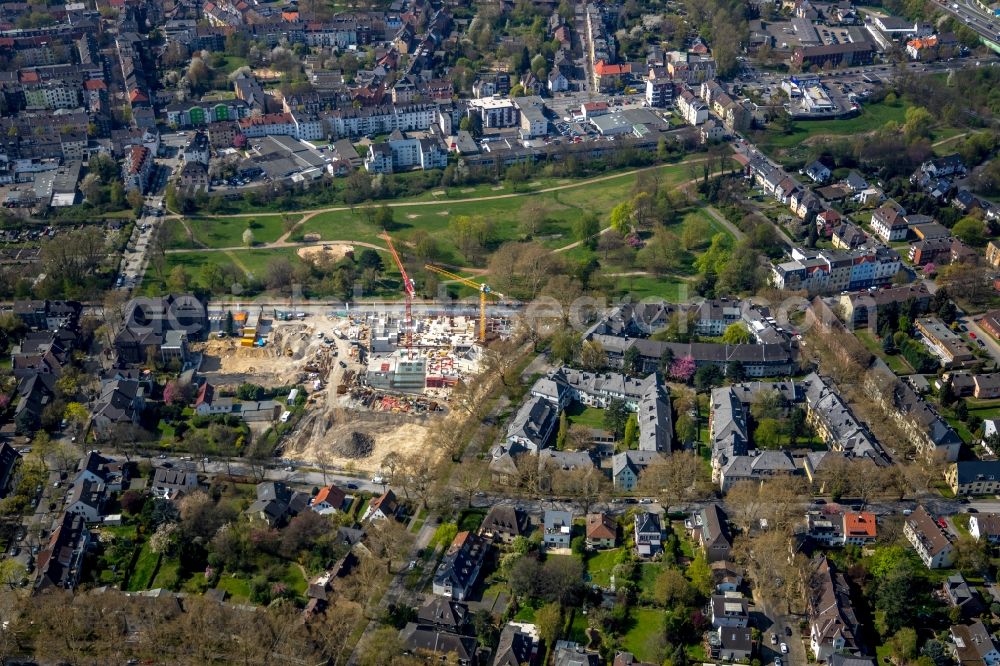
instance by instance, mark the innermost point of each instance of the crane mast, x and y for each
(408, 291)
(483, 289)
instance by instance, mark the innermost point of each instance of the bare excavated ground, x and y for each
(327, 437)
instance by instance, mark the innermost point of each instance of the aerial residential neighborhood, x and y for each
(607, 332)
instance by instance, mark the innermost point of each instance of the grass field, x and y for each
(871, 118)
(578, 413)
(641, 637)
(144, 571)
(167, 574)
(600, 565)
(895, 362)
(238, 588)
(225, 232)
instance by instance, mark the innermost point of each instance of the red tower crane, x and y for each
(409, 291)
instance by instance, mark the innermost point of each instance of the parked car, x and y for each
(784, 648)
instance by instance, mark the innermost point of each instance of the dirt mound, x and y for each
(326, 252)
(355, 445)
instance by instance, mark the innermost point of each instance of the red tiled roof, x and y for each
(267, 119)
(861, 523)
(138, 155)
(330, 494)
(604, 69)
(94, 84)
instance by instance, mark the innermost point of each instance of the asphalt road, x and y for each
(991, 347)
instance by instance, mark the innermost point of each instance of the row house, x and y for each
(830, 271)
(137, 168)
(862, 307)
(381, 120)
(54, 94)
(342, 34)
(841, 528)
(735, 115)
(691, 108)
(691, 68)
(400, 152)
(60, 564)
(928, 432)
(300, 126)
(974, 477)
(836, 424)
(195, 114)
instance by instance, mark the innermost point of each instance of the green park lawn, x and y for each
(895, 362)
(872, 117)
(434, 216)
(220, 232)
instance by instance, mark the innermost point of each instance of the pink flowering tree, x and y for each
(930, 268)
(682, 369)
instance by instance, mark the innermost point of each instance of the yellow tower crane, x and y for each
(483, 288)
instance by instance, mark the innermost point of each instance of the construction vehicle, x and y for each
(483, 289)
(408, 290)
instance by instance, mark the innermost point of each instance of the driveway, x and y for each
(773, 621)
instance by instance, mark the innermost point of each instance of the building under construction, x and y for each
(395, 373)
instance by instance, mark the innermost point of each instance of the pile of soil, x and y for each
(355, 445)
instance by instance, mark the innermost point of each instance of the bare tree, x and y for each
(674, 478)
(744, 505)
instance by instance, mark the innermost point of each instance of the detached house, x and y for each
(207, 403)
(985, 526)
(710, 529)
(558, 527)
(86, 499)
(329, 499)
(963, 596)
(818, 172)
(121, 403)
(459, 569)
(504, 523)
(648, 534)
(384, 507)
(974, 645)
(602, 531)
(729, 610)
(169, 484)
(889, 224)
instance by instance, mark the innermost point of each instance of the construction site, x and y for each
(376, 381)
(378, 378)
